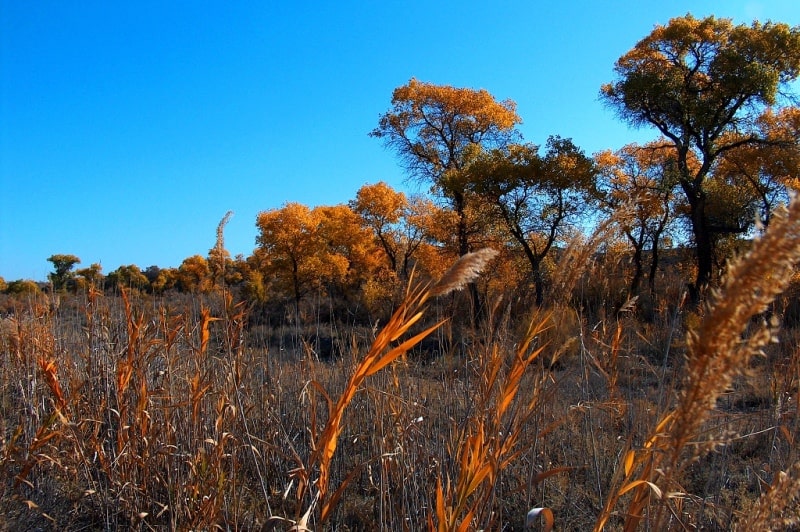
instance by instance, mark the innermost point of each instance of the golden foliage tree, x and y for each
(302, 250)
(165, 279)
(128, 276)
(766, 171)
(194, 274)
(91, 276)
(349, 243)
(433, 129)
(396, 221)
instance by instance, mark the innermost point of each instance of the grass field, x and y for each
(137, 412)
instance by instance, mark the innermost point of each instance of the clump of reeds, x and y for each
(316, 492)
(719, 349)
(489, 441)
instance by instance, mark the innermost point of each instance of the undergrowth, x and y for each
(131, 412)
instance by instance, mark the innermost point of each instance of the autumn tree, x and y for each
(394, 220)
(765, 172)
(163, 279)
(128, 276)
(697, 81)
(433, 127)
(346, 239)
(254, 288)
(194, 274)
(536, 196)
(297, 257)
(637, 184)
(91, 276)
(62, 274)
(22, 287)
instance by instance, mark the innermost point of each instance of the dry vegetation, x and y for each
(133, 412)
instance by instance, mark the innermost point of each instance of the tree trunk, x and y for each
(459, 201)
(638, 269)
(654, 263)
(704, 246)
(538, 283)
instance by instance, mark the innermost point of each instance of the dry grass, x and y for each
(719, 349)
(135, 413)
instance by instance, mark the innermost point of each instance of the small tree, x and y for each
(165, 278)
(22, 287)
(641, 180)
(194, 275)
(392, 218)
(129, 276)
(91, 276)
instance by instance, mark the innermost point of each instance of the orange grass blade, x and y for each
(464, 526)
(399, 331)
(401, 349)
(636, 483)
(628, 462)
(441, 515)
(48, 367)
(318, 386)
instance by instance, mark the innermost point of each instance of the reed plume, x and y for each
(776, 509)
(465, 270)
(718, 352)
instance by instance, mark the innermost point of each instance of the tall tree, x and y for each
(433, 127)
(62, 274)
(697, 81)
(535, 196)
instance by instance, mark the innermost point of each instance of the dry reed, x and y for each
(135, 413)
(719, 350)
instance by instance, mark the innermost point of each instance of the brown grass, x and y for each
(134, 412)
(720, 349)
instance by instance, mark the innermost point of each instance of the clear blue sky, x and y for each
(128, 129)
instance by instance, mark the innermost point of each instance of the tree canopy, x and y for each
(63, 265)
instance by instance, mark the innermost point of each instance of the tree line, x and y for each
(727, 151)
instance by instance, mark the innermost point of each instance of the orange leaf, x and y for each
(628, 462)
(637, 483)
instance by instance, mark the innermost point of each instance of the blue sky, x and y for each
(128, 129)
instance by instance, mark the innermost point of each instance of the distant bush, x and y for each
(21, 286)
